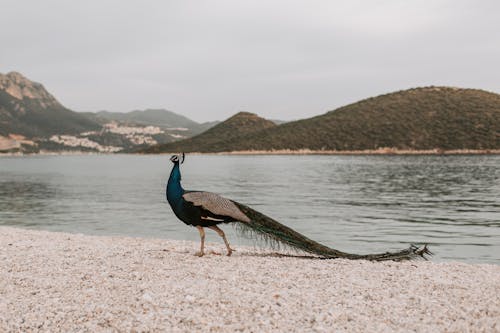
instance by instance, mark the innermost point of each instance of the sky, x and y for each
(283, 59)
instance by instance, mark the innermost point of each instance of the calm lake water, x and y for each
(357, 204)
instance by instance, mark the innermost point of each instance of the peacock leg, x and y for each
(221, 233)
(202, 245)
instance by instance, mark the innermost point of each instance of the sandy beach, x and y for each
(57, 282)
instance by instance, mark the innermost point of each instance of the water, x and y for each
(358, 204)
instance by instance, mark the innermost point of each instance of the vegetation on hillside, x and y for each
(415, 119)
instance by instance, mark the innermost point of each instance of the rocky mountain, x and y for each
(218, 137)
(27, 109)
(442, 118)
(32, 120)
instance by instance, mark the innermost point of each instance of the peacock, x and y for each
(207, 210)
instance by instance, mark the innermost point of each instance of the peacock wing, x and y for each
(216, 204)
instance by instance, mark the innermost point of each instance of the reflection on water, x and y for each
(353, 203)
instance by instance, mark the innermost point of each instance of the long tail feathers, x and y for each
(278, 233)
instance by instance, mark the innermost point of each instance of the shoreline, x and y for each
(380, 151)
(51, 281)
(384, 151)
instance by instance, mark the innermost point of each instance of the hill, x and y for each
(422, 118)
(416, 119)
(218, 137)
(27, 109)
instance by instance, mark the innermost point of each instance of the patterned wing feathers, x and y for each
(216, 204)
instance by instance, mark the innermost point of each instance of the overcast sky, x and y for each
(280, 59)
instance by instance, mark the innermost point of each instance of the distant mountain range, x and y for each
(427, 118)
(32, 120)
(152, 117)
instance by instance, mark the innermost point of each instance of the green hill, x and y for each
(415, 119)
(218, 137)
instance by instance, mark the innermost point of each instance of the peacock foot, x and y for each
(199, 254)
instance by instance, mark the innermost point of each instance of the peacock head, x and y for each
(176, 159)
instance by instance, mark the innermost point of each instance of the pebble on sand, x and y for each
(69, 282)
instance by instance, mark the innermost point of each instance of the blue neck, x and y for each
(174, 188)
